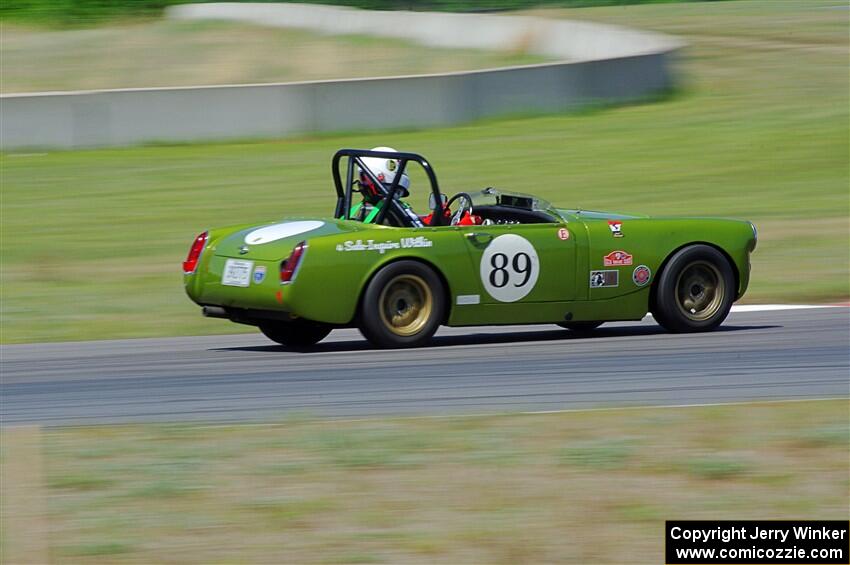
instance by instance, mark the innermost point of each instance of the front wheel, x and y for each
(695, 291)
(296, 333)
(402, 306)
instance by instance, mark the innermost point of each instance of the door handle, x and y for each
(479, 238)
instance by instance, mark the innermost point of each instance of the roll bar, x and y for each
(355, 160)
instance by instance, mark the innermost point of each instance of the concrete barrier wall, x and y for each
(628, 65)
(556, 38)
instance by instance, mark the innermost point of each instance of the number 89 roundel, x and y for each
(509, 268)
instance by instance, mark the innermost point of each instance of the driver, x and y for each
(373, 198)
(385, 171)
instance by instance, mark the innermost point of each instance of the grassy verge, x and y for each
(88, 12)
(92, 240)
(582, 487)
(172, 53)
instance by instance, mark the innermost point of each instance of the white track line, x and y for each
(775, 307)
(744, 308)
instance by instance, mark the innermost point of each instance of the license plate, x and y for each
(237, 272)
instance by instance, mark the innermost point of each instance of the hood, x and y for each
(599, 215)
(275, 240)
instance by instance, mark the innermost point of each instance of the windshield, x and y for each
(492, 197)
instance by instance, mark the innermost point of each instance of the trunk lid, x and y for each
(274, 241)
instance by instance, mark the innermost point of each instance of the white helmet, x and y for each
(385, 170)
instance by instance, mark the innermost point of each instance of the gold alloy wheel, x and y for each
(700, 291)
(406, 303)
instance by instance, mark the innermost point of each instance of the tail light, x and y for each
(289, 267)
(191, 262)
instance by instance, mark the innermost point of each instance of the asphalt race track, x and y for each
(789, 354)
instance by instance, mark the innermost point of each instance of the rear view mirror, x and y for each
(432, 201)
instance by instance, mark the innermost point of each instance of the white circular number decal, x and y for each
(509, 268)
(280, 231)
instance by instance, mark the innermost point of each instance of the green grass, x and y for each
(94, 549)
(175, 53)
(90, 12)
(830, 435)
(92, 240)
(607, 453)
(717, 467)
(635, 468)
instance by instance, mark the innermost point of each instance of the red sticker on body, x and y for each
(563, 234)
(617, 259)
(641, 275)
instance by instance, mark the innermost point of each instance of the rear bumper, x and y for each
(247, 316)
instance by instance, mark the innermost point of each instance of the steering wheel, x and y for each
(465, 206)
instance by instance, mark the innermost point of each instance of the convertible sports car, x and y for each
(489, 257)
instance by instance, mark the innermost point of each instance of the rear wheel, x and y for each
(695, 291)
(580, 326)
(403, 305)
(296, 333)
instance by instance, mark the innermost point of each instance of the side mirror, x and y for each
(432, 202)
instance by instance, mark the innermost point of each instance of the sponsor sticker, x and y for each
(384, 246)
(259, 274)
(616, 227)
(641, 275)
(563, 234)
(617, 258)
(468, 299)
(599, 279)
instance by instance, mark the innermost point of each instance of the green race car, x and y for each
(489, 257)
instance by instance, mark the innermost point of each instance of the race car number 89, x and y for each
(499, 275)
(509, 268)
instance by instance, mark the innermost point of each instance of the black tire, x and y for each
(580, 326)
(695, 291)
(403, 305)
(297, 333)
